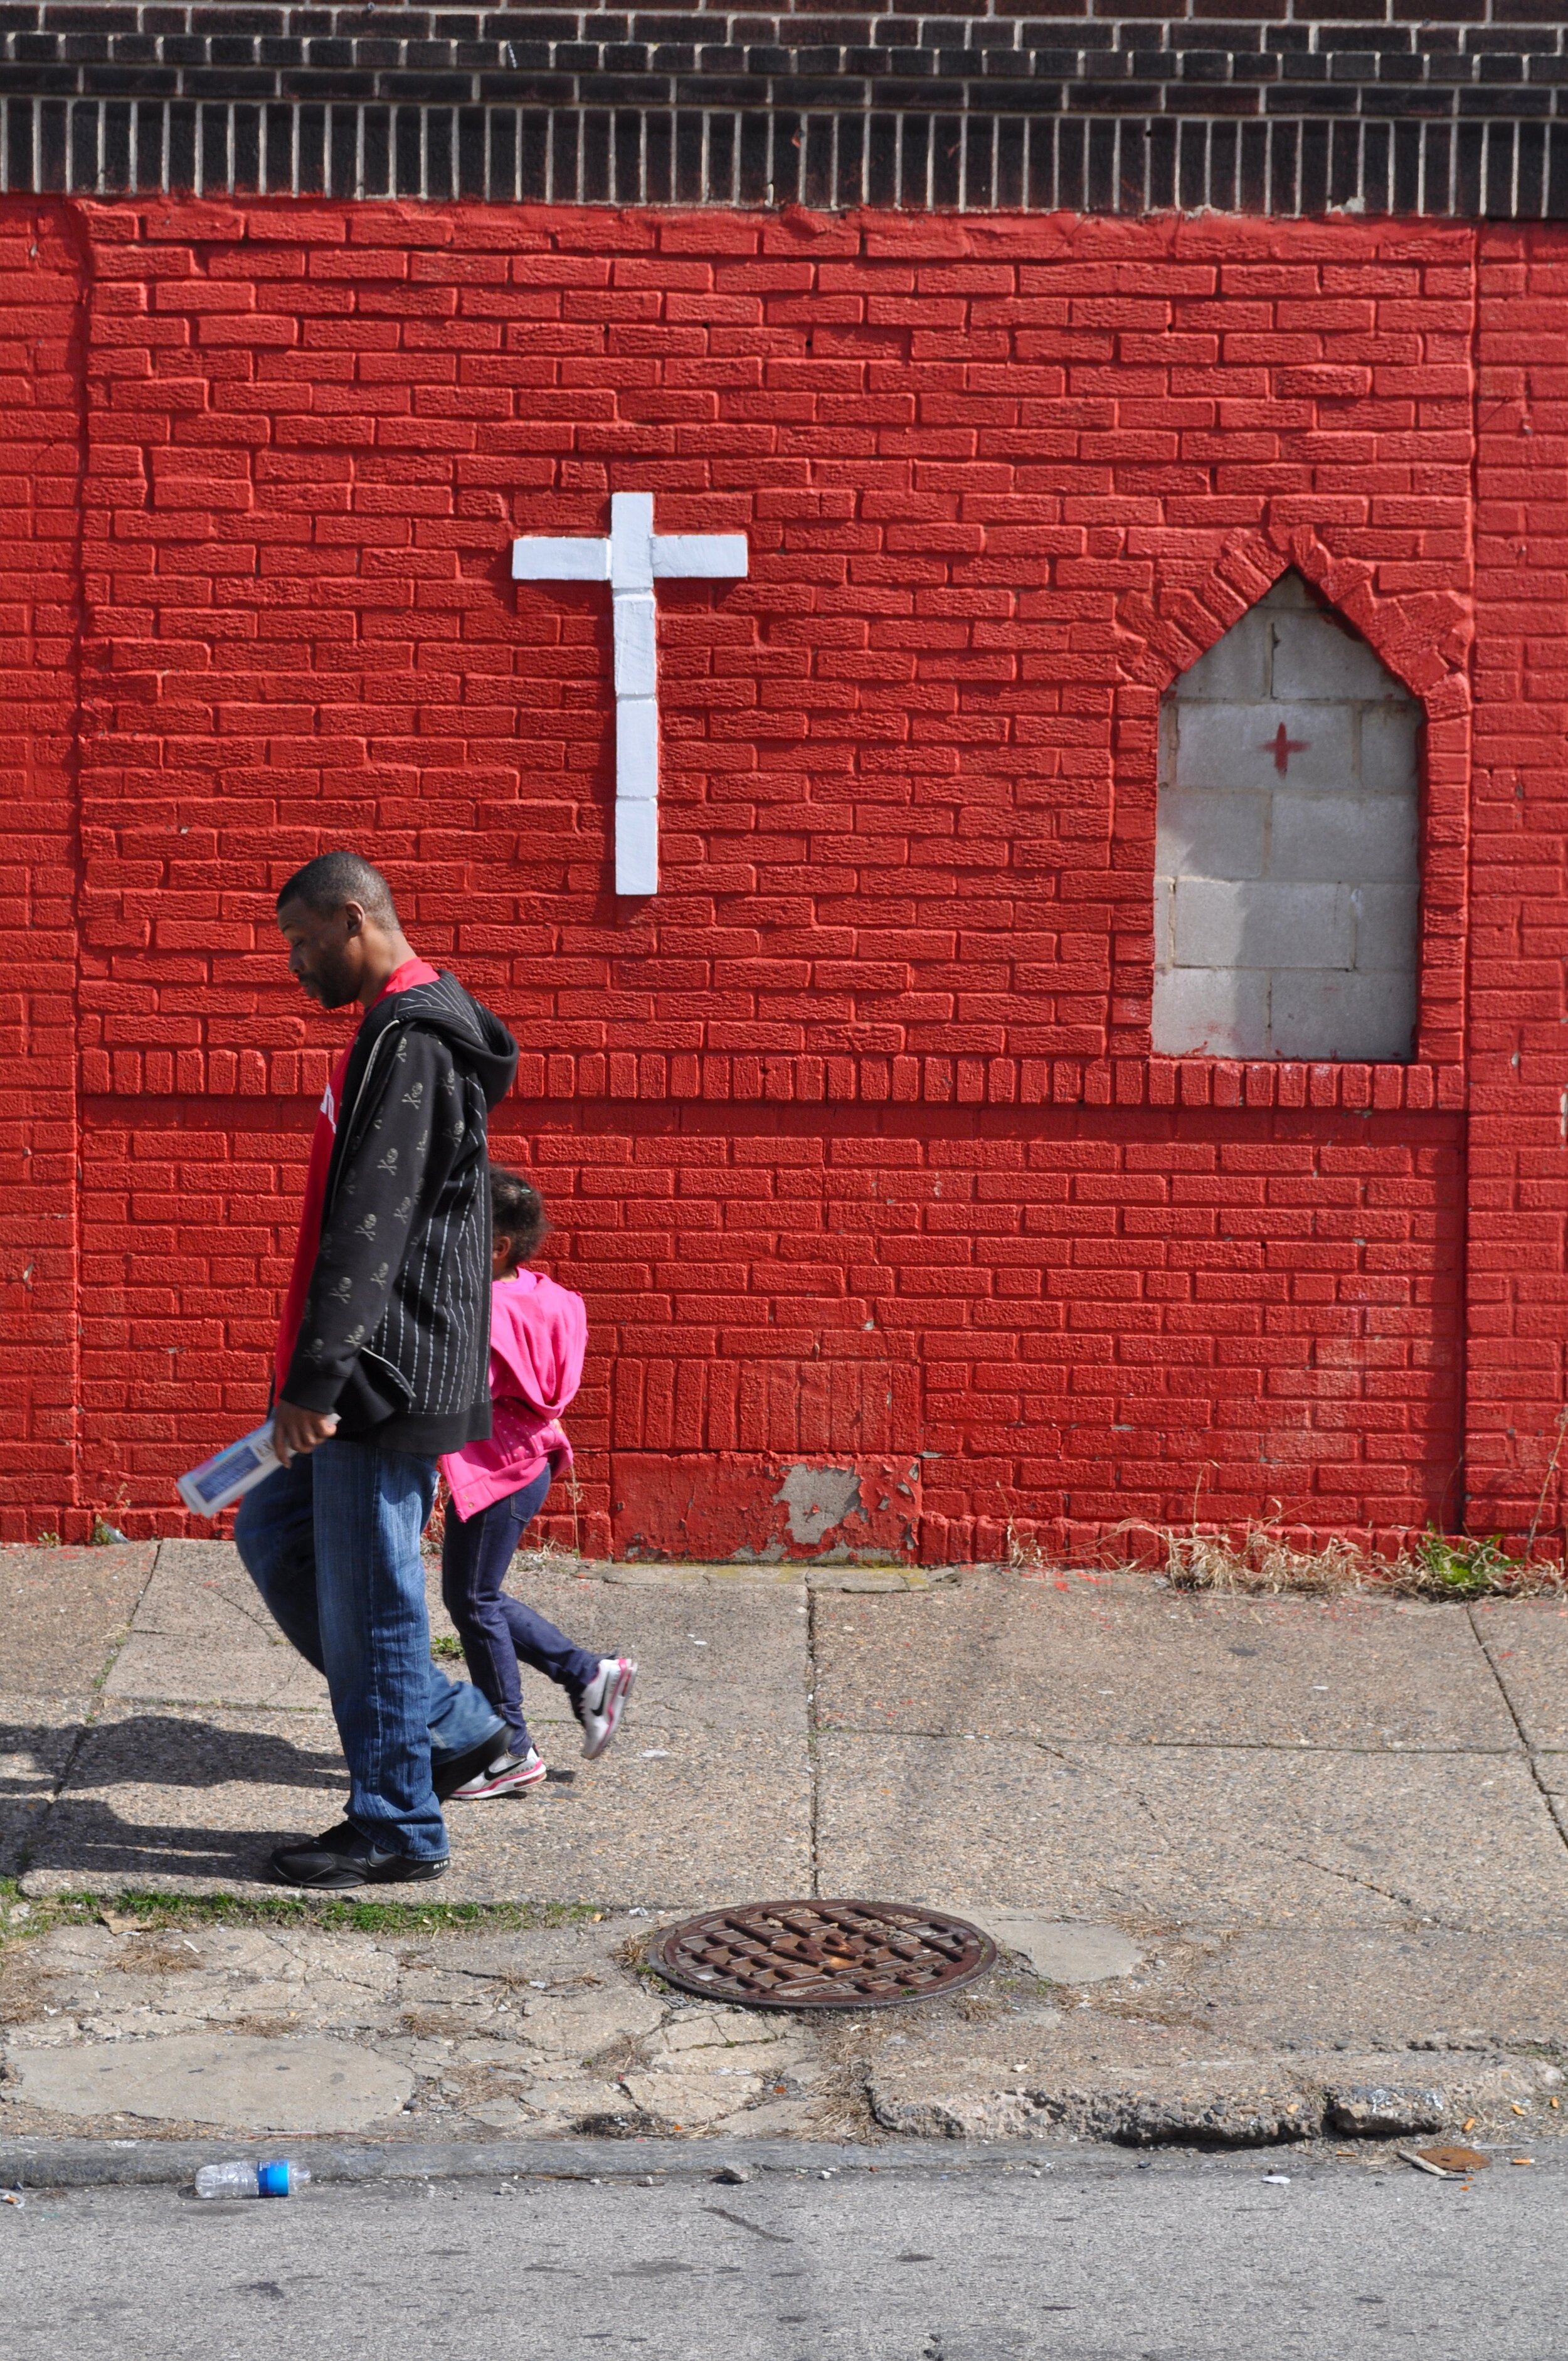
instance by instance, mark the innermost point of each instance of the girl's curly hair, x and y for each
(517, 1213)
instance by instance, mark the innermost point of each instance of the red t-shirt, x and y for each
(308, 1243)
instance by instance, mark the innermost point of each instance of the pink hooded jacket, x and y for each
(539, 1334)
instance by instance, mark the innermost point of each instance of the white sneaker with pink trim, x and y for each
(603, 1702)
(507, 1775)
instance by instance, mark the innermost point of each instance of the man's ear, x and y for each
(353, 918)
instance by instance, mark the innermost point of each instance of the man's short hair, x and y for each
(332, 878)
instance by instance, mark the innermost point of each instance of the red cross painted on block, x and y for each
(1282, 746)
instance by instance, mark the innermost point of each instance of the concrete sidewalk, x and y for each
(1247, 1858)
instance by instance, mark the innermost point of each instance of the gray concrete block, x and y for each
(1211, 1012)
(680, 1818)
(1319, 1014)
(1216, 1837)
(1164, 899)
(1390, 748)
(1239, 745)
(1356, 840)
(1291, 591)
(1136, 2097)
(194, 1802)
(1317, 657)
(64, 1610)
(1257, 924)
(37, 1738)
(1122, 1662)
(228, 2079)
(1063, 1954)
(1386, 927)
(1212, 832)
(169, 1671)
(1526, 1640)
(1235, 669)
(1355, 1992)
(716, 1661)
(1379, 2110)
(1286, 901)
(201, 1635)
(185, 1800)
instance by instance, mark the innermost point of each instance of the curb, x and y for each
(171, 2164)
(142, 2164)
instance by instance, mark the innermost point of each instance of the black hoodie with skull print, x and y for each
(396, 1332)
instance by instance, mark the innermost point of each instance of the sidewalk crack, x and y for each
(39, 1824)
(1553, 1812)
(95, 1700)
(1280, 1848)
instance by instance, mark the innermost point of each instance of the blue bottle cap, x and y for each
(272, 2180)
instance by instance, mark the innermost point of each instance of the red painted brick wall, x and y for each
(1518, 1302)
(852, 1136)
(43, 348)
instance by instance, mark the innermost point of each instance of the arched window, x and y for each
(1287, 871)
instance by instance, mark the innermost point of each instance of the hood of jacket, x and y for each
(539, 1333)
(478, 1038)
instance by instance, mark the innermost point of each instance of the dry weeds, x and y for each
(1430, 1565)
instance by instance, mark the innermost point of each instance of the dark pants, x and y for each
(495, 1629)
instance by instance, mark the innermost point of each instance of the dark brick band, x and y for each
(1378, 57)
(1372, 108)
(761, 157)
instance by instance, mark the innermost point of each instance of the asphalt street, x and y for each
(1181, 2258)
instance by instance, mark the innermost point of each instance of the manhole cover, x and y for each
(821, 1954)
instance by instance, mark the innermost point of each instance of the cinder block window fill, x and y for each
(1287, 868)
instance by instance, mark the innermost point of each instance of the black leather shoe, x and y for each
(450, 1772)
(344, 1856)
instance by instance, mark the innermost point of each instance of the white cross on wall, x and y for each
(630, 561)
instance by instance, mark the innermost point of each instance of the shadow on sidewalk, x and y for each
(150, 1764)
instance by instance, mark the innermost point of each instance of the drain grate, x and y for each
(821, 1954)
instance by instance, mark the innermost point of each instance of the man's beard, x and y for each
(336, 987)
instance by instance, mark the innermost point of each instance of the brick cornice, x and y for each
(1331, 61)
(785, 1079)
(992, 107)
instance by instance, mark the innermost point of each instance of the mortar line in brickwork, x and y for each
(749, 1119)
(813, 1747)
(77, 242)
(1461, 1276)
(1530, 1751)
(960, 155)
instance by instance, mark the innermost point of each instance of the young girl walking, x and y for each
(538, 1336)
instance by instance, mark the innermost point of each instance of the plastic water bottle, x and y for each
(243, 2178)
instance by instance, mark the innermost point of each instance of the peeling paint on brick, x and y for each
(819, 1498)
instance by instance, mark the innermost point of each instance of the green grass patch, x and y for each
(151, 1908)
(1463, 1568)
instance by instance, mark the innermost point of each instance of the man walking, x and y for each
(382, 1363)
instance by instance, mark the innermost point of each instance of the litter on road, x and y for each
(1446, 2163)
(246, 2178)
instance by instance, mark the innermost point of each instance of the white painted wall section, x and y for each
(1287, 869)
(630, 559)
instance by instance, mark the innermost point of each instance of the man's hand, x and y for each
(295, 1429)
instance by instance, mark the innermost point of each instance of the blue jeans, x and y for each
(497, 1631)
(331, 1544)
